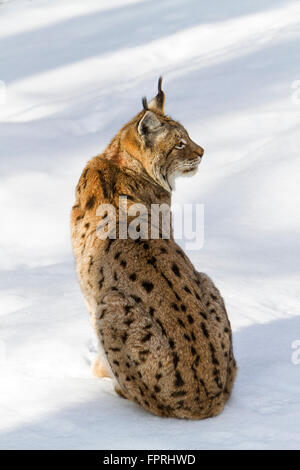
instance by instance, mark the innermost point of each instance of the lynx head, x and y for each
(162, 145)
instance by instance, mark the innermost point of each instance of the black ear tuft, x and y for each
(145, 104)
(159, 84)
(157, 103)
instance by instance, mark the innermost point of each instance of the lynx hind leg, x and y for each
(232, 371)
(213, 298)
(209, 292)
(132, 362)
(119, 391)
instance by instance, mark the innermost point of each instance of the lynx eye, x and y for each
(181, 145)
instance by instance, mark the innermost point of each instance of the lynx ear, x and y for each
(159, 101)
(149, 124)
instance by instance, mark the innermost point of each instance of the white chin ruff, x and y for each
(180, 173)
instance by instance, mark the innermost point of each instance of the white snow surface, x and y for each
(75, 72)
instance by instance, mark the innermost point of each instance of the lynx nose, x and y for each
(200, 152)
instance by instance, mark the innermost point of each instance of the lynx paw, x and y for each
(99, 369)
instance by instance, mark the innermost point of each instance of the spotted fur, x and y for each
(164, 335)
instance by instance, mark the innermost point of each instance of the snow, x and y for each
(74, 73)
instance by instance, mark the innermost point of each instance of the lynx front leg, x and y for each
(100, 368)
(100, 365)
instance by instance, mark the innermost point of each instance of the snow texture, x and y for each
(72, 73)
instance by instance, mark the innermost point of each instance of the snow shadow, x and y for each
(241, 88)
(98, 33)
(263, 412)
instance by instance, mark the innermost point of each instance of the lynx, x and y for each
(163, 331)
